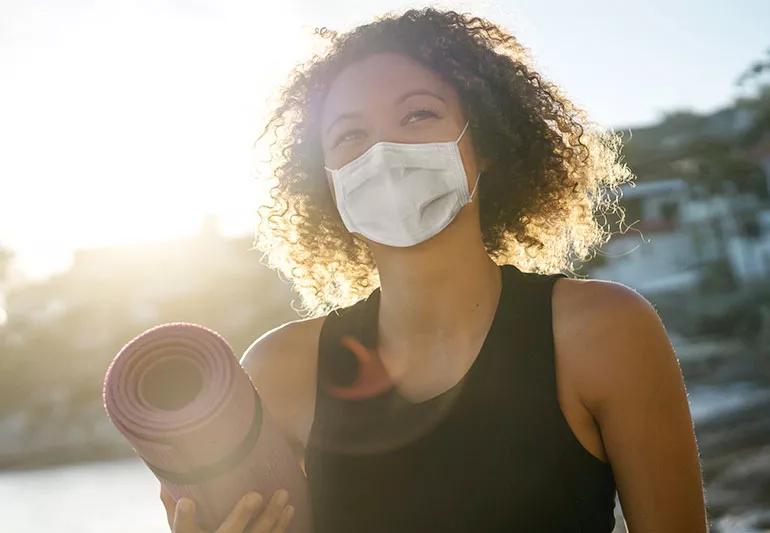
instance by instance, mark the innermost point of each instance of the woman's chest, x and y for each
(472, 478)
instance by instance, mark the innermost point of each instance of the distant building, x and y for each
(675, 232)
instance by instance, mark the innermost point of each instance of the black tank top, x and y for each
(492, 453)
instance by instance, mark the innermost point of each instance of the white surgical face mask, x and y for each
(401, 194)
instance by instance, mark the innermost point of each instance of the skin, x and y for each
(249, 514)
(619, 383)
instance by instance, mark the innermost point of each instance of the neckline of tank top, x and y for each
(509, 274)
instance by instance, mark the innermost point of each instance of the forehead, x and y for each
(377, 80)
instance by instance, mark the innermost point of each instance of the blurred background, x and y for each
(128, 196)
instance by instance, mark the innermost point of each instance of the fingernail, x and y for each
(290, 511)
(252, 499)
(283, 497)
(185, 505)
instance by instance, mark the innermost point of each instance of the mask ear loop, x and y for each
(475, 186)
(470, 198)
(463, 132)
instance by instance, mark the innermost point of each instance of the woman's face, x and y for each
(390, 97)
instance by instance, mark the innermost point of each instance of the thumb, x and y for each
(184, 517)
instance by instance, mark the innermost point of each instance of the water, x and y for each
(101, 497)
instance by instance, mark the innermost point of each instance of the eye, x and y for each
(345, 135)
(420, 114)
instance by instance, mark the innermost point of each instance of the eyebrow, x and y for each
(343, 116)
(400, 99)
(416, 92)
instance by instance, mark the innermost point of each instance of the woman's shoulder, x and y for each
(595, 324)
(282, 366)
(282, 345)
(587, 302)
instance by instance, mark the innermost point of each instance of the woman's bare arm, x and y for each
(630, 379)
(281, 364)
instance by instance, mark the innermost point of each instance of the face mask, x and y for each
(402, 194)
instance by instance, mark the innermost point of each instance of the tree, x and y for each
(758, 72)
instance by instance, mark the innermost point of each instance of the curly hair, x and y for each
(545, 193)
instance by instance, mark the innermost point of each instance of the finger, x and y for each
(184, 517)
(283, 522)
(268, 518)
(242, 512)
(169, 504)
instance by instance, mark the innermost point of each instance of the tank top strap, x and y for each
(533, 370)
(539, 370)
(537, 320)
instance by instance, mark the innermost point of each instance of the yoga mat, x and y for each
(190, 411)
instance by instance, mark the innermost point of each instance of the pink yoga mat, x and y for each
(190, 411)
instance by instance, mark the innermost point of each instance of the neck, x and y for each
(437, 301)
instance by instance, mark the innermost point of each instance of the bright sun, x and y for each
(125, 124)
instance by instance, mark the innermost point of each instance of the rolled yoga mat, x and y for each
(190, 411)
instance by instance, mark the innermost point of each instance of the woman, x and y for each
(423, 156)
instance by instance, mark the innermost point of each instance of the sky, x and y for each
(125, 122)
